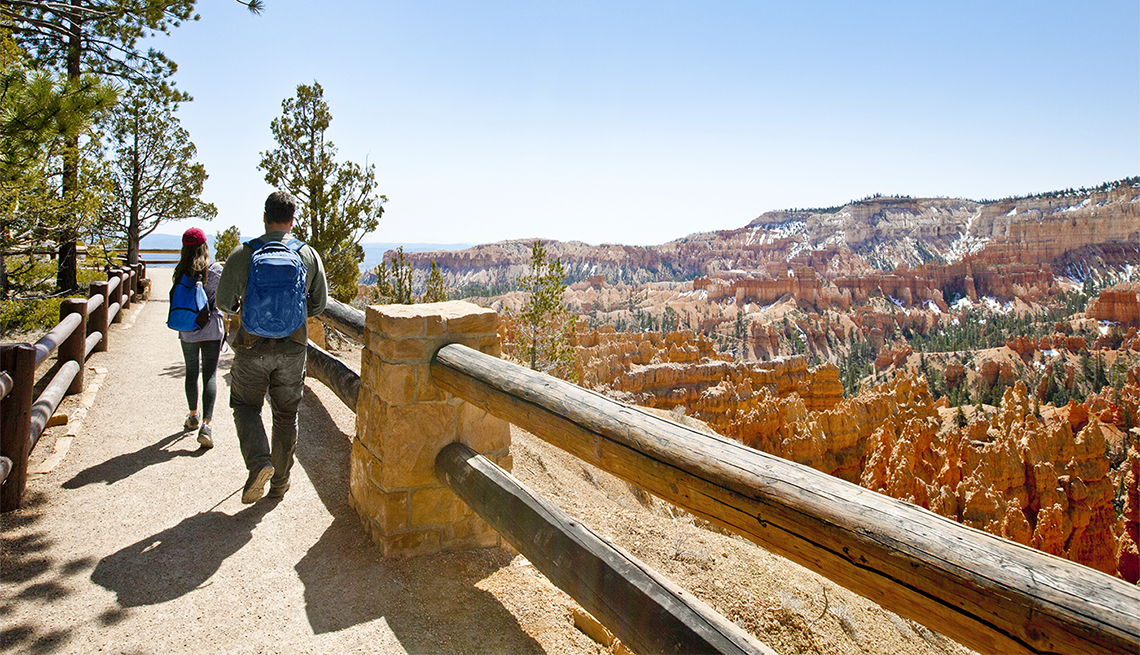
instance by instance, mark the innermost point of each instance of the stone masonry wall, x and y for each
(403, 421)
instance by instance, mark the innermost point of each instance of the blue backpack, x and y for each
(189, 308)
(276, 294)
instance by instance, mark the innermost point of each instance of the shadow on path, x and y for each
(29, 576)
(177, 560)
(125, 465)
(431, 603)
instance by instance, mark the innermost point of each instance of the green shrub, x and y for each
(24, 316)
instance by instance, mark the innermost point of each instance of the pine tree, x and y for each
(546, 327)
(154, 178)
(99, 38)
(37, 110)
(339, 203)
(394, 286)
(225, 242)
(435, 289)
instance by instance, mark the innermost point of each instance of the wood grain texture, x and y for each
(19, 361)
(335, 375)
(988, 593)
(346, 319)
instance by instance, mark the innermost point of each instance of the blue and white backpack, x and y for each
(189, 307)
(276, 294)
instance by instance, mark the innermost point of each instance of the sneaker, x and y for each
(277, 491)
(191, 422)
(255, 484)
(204, 433)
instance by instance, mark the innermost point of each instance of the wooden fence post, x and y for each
(140, 274)
(19, 360)
(97, 321)
(74, 348)
(125, 276)
(117, 294)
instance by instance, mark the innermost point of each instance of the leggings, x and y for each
(210, 351)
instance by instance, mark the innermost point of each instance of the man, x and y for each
(268, 365)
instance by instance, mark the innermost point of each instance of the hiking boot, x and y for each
(204, 433)
(191, 422)
(277, 490)
(255, 484)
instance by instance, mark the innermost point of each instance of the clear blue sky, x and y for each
(642, 122)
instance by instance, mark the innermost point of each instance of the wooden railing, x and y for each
(151, 256)
(82, 330)
(993, 595)
(644, 610)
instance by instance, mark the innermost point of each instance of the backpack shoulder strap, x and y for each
(295, 245)
(255, 244)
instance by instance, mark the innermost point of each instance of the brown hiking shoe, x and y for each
(255, 484)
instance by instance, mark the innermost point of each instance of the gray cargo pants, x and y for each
(276, 368)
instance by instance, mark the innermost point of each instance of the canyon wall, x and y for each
(915, 250)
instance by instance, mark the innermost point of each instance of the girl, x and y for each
(206, 341)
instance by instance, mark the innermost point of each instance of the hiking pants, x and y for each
(276, 369)
(209, 351)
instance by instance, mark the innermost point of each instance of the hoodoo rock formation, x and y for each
(1119, 304)
(1047, 484)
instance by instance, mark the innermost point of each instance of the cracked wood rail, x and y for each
(990, 594)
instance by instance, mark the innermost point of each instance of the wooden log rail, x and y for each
(335, 375)
(344, 318)
(992, 595)
(644, 610)
(6, 386)
(163, 255)
(82, 330)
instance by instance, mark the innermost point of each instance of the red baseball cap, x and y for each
(193, 237)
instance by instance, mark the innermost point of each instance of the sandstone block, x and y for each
(426, 391)
(470, 319)
(404, 350)
(482, 431)
(414, 436)
(396, 383)
(435, 506)
(363, 402)
(491, 345)
(359, 469)
(387, 512)
(408, 544)
(395, 321)
(471, 532)
(375, 432)
(316, 331)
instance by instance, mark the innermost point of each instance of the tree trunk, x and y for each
(136, 182)
(66, 274)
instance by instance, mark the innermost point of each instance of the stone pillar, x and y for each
(403, 421)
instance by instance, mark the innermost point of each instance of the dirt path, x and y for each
(136, 542)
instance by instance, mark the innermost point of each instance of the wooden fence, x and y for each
(152, 256)
(83, 328)
(993, 595)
